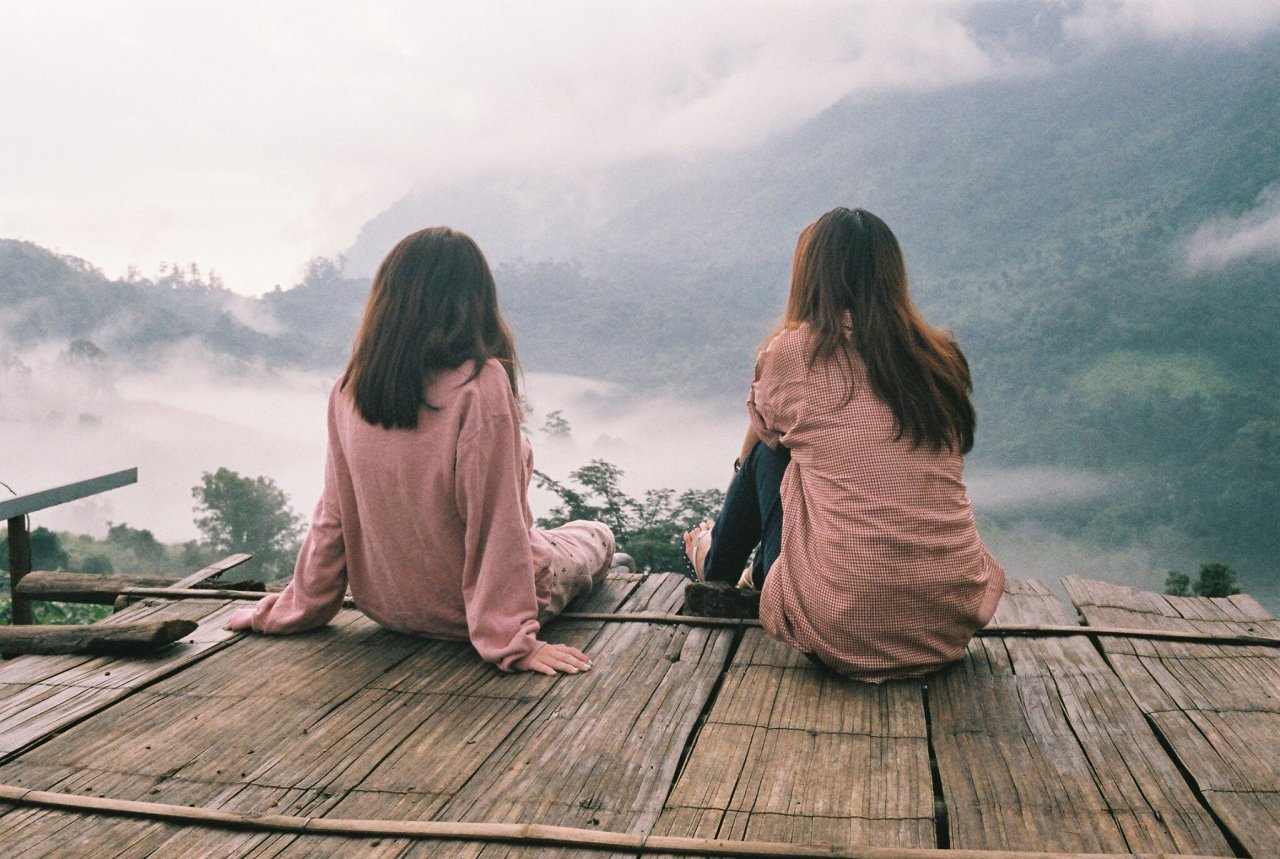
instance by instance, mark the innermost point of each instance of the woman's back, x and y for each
(881, 565)
(405, 496)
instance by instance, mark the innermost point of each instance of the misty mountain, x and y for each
(1048, 220)
(1051, 221)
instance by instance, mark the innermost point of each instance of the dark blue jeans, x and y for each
(751, 516)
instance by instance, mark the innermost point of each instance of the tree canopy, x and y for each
(247, 514)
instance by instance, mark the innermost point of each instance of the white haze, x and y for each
(196, 413)
(250, 137)
(1255, 234)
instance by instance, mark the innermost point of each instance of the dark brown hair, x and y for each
(433, 306)
(849, 271)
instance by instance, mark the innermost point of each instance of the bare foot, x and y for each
(697, 543)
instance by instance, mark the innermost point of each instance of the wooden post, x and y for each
(19, 566)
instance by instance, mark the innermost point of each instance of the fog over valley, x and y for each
(192, 416)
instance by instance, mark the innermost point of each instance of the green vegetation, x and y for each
(1216, 580)
(48, 552)
(248, 514)
(648, 529)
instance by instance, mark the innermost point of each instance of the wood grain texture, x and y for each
(1040, 747)
(1217, 707)
(792, 752)
(40, 695)
(679, 730)
(355, 720)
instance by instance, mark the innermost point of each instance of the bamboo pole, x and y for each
(1035, 630)
(532, 834)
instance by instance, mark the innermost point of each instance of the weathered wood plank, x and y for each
(352, 710)
(33, 501)
(1040, 747)
(40, 695)
(96, 588)
(793, 752)
(1217, 707)
(601, 754)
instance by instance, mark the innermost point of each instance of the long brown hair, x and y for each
(849, 271)
(433, 306)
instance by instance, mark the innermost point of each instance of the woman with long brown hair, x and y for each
(850, 475)
(425, 511)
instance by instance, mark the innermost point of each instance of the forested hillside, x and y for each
(1049, 220)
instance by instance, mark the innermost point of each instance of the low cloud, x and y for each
(1002, 490)
(252, 139)
(1108, 21)
(196, 415)
(1253, 235)
(1035, 550)
(252, 314)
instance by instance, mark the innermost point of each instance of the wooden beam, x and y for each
(33, 501)
(96, 638)
(212, 571)
(103, 589)
(197, 579)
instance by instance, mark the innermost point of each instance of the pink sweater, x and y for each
(430, 527)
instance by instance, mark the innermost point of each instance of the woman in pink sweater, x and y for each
(851, 472)
(425, 512)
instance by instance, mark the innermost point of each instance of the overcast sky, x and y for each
(248, 137)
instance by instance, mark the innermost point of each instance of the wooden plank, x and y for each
(33, 501)
(213, 571)
(202, 737)
(1040, 747)
(792, 752)
(40, 695)
(352, 713)
(1216, 707)
(19, 568)
(601, 754)
(103, 589)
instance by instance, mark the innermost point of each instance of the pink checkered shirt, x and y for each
(882, 573)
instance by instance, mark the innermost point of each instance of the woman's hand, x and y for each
(242, 619)
(553, 659)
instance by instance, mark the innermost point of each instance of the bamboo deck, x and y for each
(685, 739)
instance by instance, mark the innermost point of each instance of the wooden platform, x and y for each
(685, 738)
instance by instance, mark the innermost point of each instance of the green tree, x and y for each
(140, 541)
(649, 529)
(96, 563)
(1177, 584)
(46, 551)
(247, 514)
(1216, 580)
